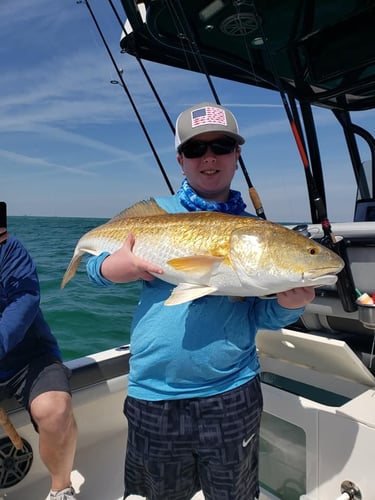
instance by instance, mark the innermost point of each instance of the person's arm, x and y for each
(21, 294)
(285, 309)
(122, 266)
(93, 269)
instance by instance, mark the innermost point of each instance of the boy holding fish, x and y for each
(194, 397)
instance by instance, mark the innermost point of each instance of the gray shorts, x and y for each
(43, 374)
(176, 448)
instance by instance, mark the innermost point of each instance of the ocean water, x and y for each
(85, 318)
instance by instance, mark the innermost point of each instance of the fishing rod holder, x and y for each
(366, 314)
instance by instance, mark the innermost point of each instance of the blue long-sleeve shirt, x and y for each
(24, 332)
(198, 348)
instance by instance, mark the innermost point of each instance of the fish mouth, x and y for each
(319, 273)
(329, 277)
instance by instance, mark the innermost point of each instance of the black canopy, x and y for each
(322, 51)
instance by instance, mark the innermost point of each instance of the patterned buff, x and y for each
(190, 200)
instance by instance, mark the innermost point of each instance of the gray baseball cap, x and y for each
(206, 117)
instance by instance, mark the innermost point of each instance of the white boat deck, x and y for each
(198, 496)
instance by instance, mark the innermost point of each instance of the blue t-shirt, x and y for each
(196, 349)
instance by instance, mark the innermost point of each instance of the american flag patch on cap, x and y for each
(208, 116)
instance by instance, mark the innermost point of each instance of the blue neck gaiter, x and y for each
(190, 200)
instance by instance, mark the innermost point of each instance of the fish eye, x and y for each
(312, 251)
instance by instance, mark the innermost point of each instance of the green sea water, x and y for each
(85, 318)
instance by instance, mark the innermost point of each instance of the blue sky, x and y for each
(70, 143)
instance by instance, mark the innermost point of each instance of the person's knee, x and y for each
(52, 412)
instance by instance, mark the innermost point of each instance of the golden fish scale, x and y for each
(162, 237)
(203, 232)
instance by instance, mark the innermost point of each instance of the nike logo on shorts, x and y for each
(245, 442)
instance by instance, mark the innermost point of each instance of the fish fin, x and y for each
(185, 292)
(202, 265)
(143, 208)
(72, 269)
(91, 251)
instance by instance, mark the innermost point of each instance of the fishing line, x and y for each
(188, 33)
(126, 90)
(248, 52)
(145, 73)
(183, 37)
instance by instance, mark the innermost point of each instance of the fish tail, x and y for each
(72, 269)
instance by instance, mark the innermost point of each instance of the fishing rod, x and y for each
(145, 73)
(126, 90)
(252, 191)
(317, 199)
(345, 284)
(181, 17)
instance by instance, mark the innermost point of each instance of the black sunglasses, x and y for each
(196, 149)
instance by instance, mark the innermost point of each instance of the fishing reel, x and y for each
(302, 229)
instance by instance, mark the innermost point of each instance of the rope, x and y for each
(126, 90)
(10, 430)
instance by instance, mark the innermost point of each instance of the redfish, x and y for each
(211, 253)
